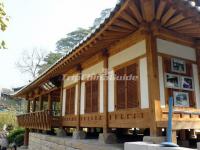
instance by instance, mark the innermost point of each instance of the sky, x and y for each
(40, 23)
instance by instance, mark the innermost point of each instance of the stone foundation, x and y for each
(39, 141)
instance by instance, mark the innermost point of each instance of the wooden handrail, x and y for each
(42, 120)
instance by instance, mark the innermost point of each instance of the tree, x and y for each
(67, 43)
(31, 61)
(3, 24)
(48, 61)
(102, 17)
(72, 38)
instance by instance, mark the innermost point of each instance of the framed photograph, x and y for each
(172, 81)
(187, 83)
(181, 99)
(178, 65)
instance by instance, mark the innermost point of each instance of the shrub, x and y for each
(12, 135)
(19, 140)
(8, 118)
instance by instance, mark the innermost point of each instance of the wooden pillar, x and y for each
(49, 102)
(153, 81)
(28, 106)
(105, 91)
(198, 61)
(40, 103)
(61, 95)
(174, 138)
(79, 69)
(26, 134)
(34, 105)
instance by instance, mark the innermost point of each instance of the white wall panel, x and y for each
(175, 49)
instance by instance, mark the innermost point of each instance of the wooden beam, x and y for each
(124, 24)
(153, 81)
(148, 9)
(160, 9)
(105, 90)
(174, 20)
(118, 29)
(176, 37)
(171, 11)
(185, 22)
(135, 11)
(129, 18)
(28, 106)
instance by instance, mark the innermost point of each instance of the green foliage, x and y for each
(8, 118)
(19, 140)
(49, 60)
(72, 38)
(103, 15)
(3, 23)
(13, 134)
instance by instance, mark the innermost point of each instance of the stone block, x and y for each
(154, 140)
(79, 135)
(61, 132)
(108, 138)
(198, 145)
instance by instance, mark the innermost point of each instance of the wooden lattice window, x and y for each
(70, 100)
(127, 87)
(91, 96)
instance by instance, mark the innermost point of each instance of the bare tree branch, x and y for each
(31, 61)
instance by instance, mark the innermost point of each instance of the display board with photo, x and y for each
(172, 81)
(187, 83)
(178, 65)
(181, 99)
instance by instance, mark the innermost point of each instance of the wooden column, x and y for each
(174, 138)
(61, 95)
(34, 105)
(153, 81)
(49, 102)
(198, 61)
(40, 103)
(79, 69)
(26, 134)
(28, 106)
(105, 91)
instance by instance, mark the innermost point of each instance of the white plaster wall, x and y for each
(128, 54)
(64, 102)
(196, 84)
(144, 83)
(101, 96)
(76, 98)
(93, 70)
(161, 82)
(82, 103)
(111, 93)
(175, 49)
(71, 80)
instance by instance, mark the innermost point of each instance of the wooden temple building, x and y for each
(155, 41)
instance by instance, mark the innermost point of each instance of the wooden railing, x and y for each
(183, 114)
(41, 120)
